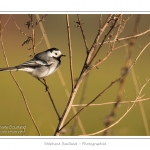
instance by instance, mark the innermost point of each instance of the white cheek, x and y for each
(59, 54)
(49, 54)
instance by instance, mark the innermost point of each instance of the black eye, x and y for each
(55, 53)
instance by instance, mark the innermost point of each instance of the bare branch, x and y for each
(24, 98)
(129, 37)
(52, 101)
(112, 27)
(110, 103)
(70, 50)
(19, 28)
(80, 25)
(137, 97)
(134, 62)
(33, 33)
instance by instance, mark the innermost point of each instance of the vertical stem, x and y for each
(23, 96)
(80, 24)
(33, 34)
(70, 50)
(69, 104)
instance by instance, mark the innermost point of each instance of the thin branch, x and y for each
(89, 103)
(33, 33)
(24, 98)
(41, 19)
(52, 101)
(59, 72)
(129, 37)
(110, 103)
(19, 28)
(100, 21)
(134, 62)
(40, 41)
(109, 119)
(82, 74)
(106, 35)
(136, 84)
(80, 25)
(137, 97)
(43, 31)
(81, 101)
(95, 43)
(6, 23)
(70, 50)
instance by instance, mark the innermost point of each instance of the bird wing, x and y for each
(35, 63)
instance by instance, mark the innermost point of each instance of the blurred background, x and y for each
(13, 110)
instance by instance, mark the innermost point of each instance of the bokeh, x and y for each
(13, 111)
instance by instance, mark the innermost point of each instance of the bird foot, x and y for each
(47, 88)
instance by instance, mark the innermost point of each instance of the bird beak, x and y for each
(63, 55)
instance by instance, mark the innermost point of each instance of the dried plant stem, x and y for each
(100, 21)
(52, 101)
(145, 121)
(89, 103)
(39, 41)
(24, 98)
(106, 35)
(109, 119)
(136, 84)
(129, 37)
(33, 33)
(95, 43)
(82, 74)
(80, 25)
(137, 97)
(110, 103)
(70, 50)
(68, 107)
(43, 31)
(112, 83)
(59, 72)
(6, 23)
(81, 101)
(19, 28)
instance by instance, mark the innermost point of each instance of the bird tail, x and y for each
(9, 69)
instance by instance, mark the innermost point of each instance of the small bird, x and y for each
(42, 65)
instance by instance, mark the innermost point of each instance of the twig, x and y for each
(33, 33)
(134, 62)
(82, 74)
(80, 25)
(52, 101)
(59, 72)
(100, 21)
(129, 37)
(24, 98)
(136, 84)
(122, 115)
(6, 23)
(43, 31)
(40, 20)
(19, 28)
(110, 103)
(39, 41)
(109, 119)
(81, 101)
(112, 27)
(70, 51)
(95, 43)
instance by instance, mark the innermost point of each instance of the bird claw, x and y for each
(47, 88)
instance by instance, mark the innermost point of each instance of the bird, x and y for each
(41, 65)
